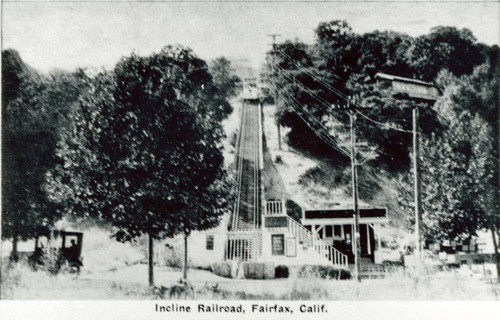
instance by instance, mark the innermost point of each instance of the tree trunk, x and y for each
(279, 137)
(184, 266)
(150, 261)
(495, 246)
(14, 256)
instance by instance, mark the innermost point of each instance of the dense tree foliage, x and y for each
(459, 153)
(456, 177)
(445, 48)
(35, 109)
(342, 63)
(145, 149)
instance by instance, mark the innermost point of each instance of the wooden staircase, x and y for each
(368, 269)
(305, 237)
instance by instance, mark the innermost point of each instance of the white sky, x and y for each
(67, 35)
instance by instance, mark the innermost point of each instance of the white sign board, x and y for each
(291, 247)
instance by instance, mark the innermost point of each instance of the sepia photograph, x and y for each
(259, 159)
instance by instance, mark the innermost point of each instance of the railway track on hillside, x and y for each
(247, 212)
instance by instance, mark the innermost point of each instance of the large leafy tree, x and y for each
(455, 176)
(145, 150)
(382, 52)
(392, 131)
(459, 168)
(445, 48)
(337, 48)
(302, 96)
(35, 108)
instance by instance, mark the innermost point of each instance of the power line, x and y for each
(311, 93)
(326, 85)
(311, 116)
(385, 125)
(352, 106)
(325, 137)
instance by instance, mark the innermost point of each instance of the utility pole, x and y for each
(354, 171)
(261, 164)
(274, 36)
(352, 107)
(416, 177)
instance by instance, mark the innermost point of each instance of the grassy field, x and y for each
(115, 270)
(130, 282)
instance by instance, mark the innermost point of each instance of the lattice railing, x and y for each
(243, 246)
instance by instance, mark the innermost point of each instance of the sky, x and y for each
(71, 34)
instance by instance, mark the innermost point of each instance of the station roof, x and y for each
(345, 213)
(390, 77)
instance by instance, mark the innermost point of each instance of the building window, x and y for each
(337, 231)
(210, 242)
(328, 231)
(278, 244)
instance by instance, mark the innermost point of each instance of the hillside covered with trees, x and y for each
(459, 131)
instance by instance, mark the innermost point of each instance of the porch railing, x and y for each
(320, 246)
(275, 207)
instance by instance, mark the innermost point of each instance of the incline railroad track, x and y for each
(247, 212)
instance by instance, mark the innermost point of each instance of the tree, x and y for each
(34, 110)
(301, 94)
(344, 60)
(392, 133)
(145, 149)
(445, 48)
(459, 167)
(224, 77)
(383, 52)
(338, 48)
(225, 85)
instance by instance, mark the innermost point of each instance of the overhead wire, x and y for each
(311, 93)
(324, 136)
(332, 89)
(326, 85)
(384, 125)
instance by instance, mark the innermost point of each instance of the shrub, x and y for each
(323, 272)
(278, 160)
(234, 137)
(50, 260)
(309, 293)
(182, 290)
(170, 252)
(293, 210)
(213, 292)
(223, 269)
(281, 272)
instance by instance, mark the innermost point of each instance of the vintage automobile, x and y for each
(69, 252)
